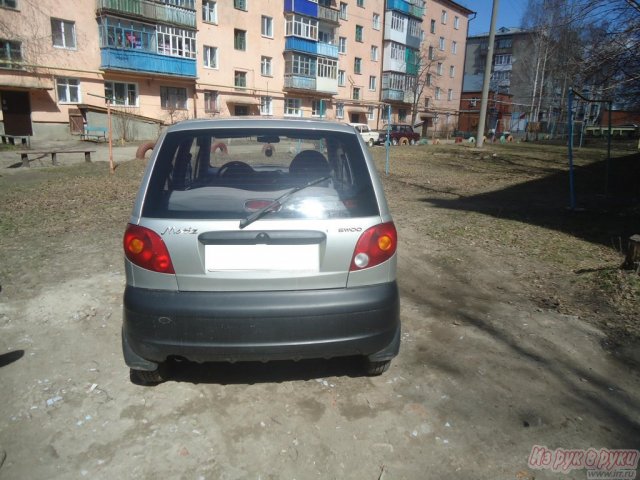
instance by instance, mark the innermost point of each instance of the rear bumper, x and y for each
(239, 326)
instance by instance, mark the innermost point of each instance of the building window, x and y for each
(502, 60)
(473, 102)
(173, 98)
(68, 90)
(402, 115)
(327, 68)
(360, 3)
(343, 11)
(504, 43)
(431, 54)
(357, 65)
(63, 33)
(376, 21)
(456, 23)
(265, 66)
(356, 93)
(439, 68)
(293, 107)
(398, 51)
(210, 56)
(240, 5)
(9, 3)
(211, 101)
(454, 47)
(429, 79)
(342, 44)
(450, 94)
(239, 39)
(359, 30)
(374, 53)
(266, 105)
(433, 26)
(301, 65)
(436, 94)
(267, 26)
(371, 114)
(10, 54)
(373, 83)
(339, 110)
(317, 108)
(341, 78)
(209, 11)
(122, 94)
(436, 118)
(397, 22)
(177, 42)
(239, 79)
(452, 71)
(426, 102)
(441, 44)
(443, 17)
(301, 27)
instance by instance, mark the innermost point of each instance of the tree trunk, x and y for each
(632, 261)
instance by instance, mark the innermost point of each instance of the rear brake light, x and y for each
(145, 248)
(376, 245)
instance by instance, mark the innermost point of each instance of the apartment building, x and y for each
(154, 62)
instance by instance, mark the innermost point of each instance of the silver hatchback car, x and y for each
(257, 240)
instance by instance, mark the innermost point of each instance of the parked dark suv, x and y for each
(259, 239)
(401, 134)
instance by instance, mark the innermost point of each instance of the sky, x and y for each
(510, 14)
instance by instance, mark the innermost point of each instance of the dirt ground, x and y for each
(518, 330)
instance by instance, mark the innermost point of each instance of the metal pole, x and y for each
(572, 197)
(112, 168)
(388, 141)
(487, 77)
(608, 164)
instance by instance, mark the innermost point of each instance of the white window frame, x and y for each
(454, 47)
(342, 78)
(129, 87)
(444, 17)
(359, 33)
(371, 113)
(439, 68)
(373, 83)
(292, 107)
(239, 74)
(237, 34)
(240, 5)
(452, 71)
(327, 68)
(63, 30)
(303, 27)
(69, 84)
(441, 44)
(356, 93)
(266, 26)
(450, 94)
(357, 65)
(339, 110)
(266, 105)
(456, 22)
(344, 14)
(437, 93)
(266, 66)
(397, 22)
(210, 56)
(210, 11)
(315, 108)
(375, 21)
(176, 42)
(211, 97)
(342, 45)
(374, 53)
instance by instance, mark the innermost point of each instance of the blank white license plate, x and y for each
(296, 258)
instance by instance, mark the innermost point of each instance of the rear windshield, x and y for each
(229, 174)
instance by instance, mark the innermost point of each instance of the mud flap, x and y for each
(133, 360)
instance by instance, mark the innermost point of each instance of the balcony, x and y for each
(144, 9)
(141, 61)
(303, 7)
(302, 45)
(405, 7)
(299, 82)
(327, 50)
(393, 95)
(328, 14)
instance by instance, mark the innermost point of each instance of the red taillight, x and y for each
(145, 248)
(376, 245)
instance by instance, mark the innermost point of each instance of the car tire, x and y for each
(394, 141)
(146, 377)
(373, 369)
(371, 142)
(404, 141)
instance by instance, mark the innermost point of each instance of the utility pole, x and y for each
(487, 77)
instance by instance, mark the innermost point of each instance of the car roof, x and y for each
(259, 123)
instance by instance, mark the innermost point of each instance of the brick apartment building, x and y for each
(161, 61)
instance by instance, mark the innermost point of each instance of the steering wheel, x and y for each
(235, 168)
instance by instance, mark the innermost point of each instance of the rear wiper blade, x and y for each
(278, 202)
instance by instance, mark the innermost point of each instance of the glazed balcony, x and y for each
(303, 7)
(302, 45)
(405, 7)
(148, 10)
(144, 61)
(327, 50)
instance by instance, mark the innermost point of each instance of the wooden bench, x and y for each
(53, 153)
(97, 133)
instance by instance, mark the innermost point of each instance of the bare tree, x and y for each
(425, 79)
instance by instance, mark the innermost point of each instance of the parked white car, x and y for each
(369, 136)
